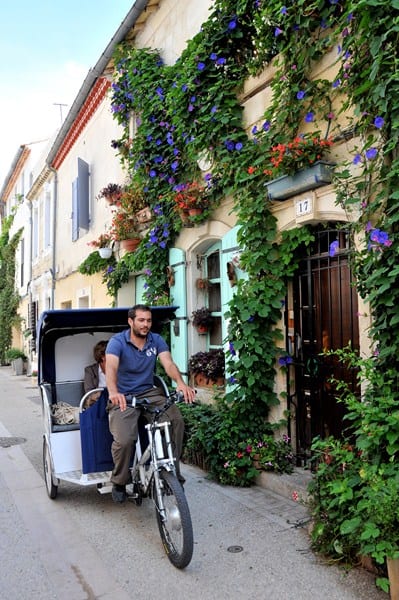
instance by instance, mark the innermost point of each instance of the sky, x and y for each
(47, 48)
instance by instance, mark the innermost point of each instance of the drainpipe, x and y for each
(53, 258)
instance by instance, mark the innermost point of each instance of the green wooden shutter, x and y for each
(178, 339)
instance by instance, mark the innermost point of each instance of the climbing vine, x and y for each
(9, 299)
(193, 107)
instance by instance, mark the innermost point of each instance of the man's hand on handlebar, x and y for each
(187, 391)
(118, 399)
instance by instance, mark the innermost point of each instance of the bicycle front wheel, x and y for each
(174, 520)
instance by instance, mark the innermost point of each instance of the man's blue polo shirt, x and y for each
(136, 367)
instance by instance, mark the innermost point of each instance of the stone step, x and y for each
(285, 485)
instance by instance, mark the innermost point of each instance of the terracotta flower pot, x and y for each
(194, 212)
(202, 329)
(130, 244)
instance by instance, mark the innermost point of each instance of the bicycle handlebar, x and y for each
(145, 404)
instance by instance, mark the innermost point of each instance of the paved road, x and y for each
(249, 543)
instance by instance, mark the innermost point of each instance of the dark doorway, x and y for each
(325, 317)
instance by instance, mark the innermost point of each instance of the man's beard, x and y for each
(138, 334)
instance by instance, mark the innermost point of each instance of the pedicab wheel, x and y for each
(52, 489)
(174, 522)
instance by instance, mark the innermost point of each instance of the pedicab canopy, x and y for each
(56, 324)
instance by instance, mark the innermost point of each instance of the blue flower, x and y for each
(213, 56)
(334, 247)
(277, 31)
(221, 61)
(238, 146)
(336, 83)
(254, 130)
(214, 109)
(266, 126)
(232, 24)
(309, 117)
(285, 360)
(300, 95)
(284, 10)
(357, 159)
(152, 173)
(201, 66)
(371, 153)
(379, 122)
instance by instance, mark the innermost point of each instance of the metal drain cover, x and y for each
(235, 549)
(6, 442)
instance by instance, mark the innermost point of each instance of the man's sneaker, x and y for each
(118, 493)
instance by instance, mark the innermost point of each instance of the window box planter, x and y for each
(287, 186)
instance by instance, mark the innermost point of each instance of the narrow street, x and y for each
(249, 543)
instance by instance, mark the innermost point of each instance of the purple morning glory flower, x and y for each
(336, 83)
(221, 61)
(357, 159)
(201, 66)
(266, 126)
(184, 87)
(231, 349)
(213, 56)
(277, 31)
(309, 117)
(371, 153)
(174, 165)
(232, 24)
(238, 146)
(152, 173)
(190, 108)
(284, 11)
(379, 122)
(214, 109)
(285, 360)
(334, 247)
(300, 95)
(229, 145)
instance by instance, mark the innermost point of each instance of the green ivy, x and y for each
(9, 299)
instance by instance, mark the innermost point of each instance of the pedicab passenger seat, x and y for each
(70, 392)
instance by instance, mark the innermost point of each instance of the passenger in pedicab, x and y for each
(94, 376)
(131, 358)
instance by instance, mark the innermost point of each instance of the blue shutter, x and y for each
(178, 340)
(229, 249)
(83, 194)
(75, 224)
(140, 289)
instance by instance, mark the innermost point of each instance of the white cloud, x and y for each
(28, 111)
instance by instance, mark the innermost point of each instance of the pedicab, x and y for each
(79, 452)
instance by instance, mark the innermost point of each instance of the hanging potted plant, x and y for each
(190, 199)
(298, 166)
(111, 192)
(104, 243)
(202, 319)
(208, 368)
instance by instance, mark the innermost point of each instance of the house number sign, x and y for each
(304, 207)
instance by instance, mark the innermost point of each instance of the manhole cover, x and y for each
(6, 442)
(235, 549)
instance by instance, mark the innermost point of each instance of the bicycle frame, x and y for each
(155, 453)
